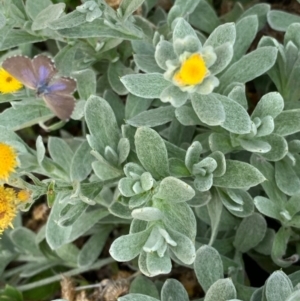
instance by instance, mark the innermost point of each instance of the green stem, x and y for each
(97, 265)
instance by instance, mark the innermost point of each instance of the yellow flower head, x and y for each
(192, 71)
(8, 209)
(8, 83)
(23, 195)
(8, 161)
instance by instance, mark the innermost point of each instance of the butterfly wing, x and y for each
(22, 69)
(59, 98)
(44, 68)
(62, 85)
(61, 105)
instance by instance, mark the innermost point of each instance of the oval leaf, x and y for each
(152, 152)
(239, 175)
(208, 266)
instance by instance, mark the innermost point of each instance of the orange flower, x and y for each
(8, 83)
(23, 195)
(8, 161)
(192, 71)
(8, 209)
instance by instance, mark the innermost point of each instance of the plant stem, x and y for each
(97, 265)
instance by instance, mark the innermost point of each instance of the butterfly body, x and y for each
(40, 74)
(42, 89)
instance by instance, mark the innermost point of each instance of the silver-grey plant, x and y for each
(183, 149)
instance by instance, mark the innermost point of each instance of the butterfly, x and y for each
(39, 74)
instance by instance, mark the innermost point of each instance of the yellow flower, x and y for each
(23, 195)
(8, 161)
(192, 71)
(8, 83)
(8, 209)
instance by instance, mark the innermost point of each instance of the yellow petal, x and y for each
(192, 71)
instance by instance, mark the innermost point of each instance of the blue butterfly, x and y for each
(39, 74)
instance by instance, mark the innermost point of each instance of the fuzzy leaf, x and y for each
(152, 152)
(224, 33)
(237, 119)
(280, 20)
(255, 146)
(270, 104)
(47, 15)
(93, 247)
(174, 95)
(203, 183)
(214, 210)
(243, 209)
(204, 17)
(60, 152)
(249, 66)
(145, 85)
(70, 20)
(260, 10)
(246, 30)
(220, 142)
(164, 51)
(185, 248)
(267, 207)
(143, 285)
(146, 63)
(40, 149)
(147, 214)
(239, 175)
(287, 122)
(179, 218)
(182, 29)
(115, 71)
(208, 266)
(120, 210)
(137, 297)
(181, 9)
(94, 29)
(64, 59)
(279, 147)
(57, 235)
(154, 117)
(265, 246)
(209, 109)
(250, 232)
(81, 162)
(178, 168)
(33, 8)
(86, 83)
(127, 7)
(102, 124)
(224, 54)
(135, 105)
(174, 190)
(187, 116)
(105, 171)
(129, 246)
(238, 94)
(25, 240)
(158, 265)
(23, 116)
(286, 178)
(270, 187)
(223, 289)
(173, 290)
(278, 287)
(279, 248)
(193, 154)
